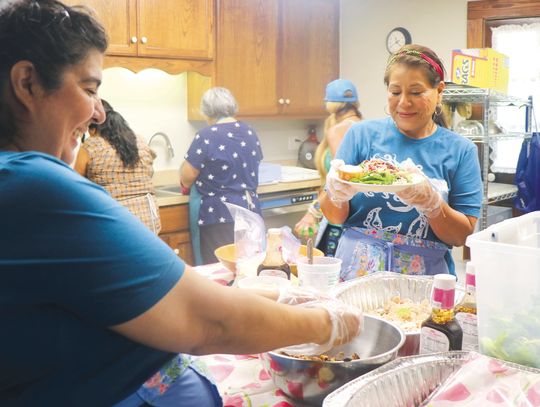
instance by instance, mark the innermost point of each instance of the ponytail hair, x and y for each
(117, 132)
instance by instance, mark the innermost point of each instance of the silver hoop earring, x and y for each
(438, 110)
(385, 109)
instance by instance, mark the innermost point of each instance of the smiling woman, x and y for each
(416, 226)
(98, 307)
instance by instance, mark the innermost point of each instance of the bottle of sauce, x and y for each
(466, 311)
(273, 263)
(441, 332)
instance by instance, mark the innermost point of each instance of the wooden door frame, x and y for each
(482, 14)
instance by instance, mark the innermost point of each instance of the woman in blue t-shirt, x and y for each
(409, 231)
(94, 307)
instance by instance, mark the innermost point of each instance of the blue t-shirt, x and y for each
(450, 162)
(228, 157)
(73, 262)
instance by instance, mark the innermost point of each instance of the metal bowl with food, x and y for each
(311, 380)
(374, 293)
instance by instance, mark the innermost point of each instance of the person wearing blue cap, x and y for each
(341, 100)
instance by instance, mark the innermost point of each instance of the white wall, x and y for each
(153, 101)
(438, 24)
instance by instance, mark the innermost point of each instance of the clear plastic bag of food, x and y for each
(249, 232)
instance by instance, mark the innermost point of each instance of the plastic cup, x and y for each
(322, 275)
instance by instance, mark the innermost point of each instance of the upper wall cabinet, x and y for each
(168, 29)
(276, 56)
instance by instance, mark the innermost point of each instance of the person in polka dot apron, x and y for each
(222, 164)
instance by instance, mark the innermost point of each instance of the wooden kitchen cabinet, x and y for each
(175, 230)
(276, 56)
(167, 29)
(309, 56)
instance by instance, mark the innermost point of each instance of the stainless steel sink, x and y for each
(168, 190)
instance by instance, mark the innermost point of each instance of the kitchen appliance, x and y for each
(286, 208)
(306, 152)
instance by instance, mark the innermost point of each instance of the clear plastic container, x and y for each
(507, 260)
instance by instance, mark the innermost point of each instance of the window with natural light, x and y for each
(521, 43)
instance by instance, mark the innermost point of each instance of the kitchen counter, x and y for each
(171, 177)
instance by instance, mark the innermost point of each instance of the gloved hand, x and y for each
(337, 190)
(347, 322)
(292, 295)
(307, 227)
(423, 196)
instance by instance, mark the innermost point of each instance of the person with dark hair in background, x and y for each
(341, 101)
(413, 230)
(115, 158)
(94, 307)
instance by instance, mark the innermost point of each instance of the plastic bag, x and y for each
(484, 381)
(290, 245)
(249, 232)
(528, 175)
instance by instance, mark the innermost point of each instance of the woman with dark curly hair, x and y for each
(115, 158)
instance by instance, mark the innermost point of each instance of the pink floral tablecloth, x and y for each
(241, 379)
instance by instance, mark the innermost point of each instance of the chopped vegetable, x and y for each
(375, 171)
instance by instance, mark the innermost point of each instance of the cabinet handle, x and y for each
(133, 40)
(287, 101)
(144, 40)
(177, 252)
(281, 101)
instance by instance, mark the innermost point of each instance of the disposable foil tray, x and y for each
(404, 382)
(375, 290)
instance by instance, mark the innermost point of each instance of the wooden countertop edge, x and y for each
(263, 189)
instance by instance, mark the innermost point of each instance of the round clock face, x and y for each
(397, 38)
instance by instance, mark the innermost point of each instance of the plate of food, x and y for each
(378, 175)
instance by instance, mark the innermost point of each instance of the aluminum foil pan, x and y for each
(375, 290)
(404, 382)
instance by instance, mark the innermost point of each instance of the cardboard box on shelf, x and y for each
(480, 67)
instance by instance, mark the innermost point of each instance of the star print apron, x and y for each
(366, 251)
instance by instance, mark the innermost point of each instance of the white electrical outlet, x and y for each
(294, 143)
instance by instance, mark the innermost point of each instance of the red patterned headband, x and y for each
(429, 60)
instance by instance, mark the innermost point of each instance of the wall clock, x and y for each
(397, 38)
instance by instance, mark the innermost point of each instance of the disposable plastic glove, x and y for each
(292, 295)
(347, 323)
(337, 190)
(423, 196)
(307, 227)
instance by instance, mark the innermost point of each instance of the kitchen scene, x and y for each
(378, 160)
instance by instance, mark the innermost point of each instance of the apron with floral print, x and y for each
(366, 251)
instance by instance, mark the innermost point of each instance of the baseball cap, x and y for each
(341, 90)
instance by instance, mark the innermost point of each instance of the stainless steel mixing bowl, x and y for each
(310, 381)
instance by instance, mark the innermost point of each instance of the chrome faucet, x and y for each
(167, 142)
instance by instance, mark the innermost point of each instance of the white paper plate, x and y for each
(359, 187)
